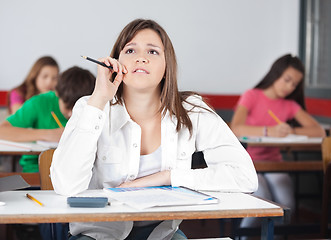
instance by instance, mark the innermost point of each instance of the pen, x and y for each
(57, 120)
(274, 116)
(97, 62)
(34, 199)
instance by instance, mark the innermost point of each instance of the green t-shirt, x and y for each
(36, 113)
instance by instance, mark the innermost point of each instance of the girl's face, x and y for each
(47, 78)
(144, 59)
(287, 82)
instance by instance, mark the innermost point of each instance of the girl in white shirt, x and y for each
(138, 130)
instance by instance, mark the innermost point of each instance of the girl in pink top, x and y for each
(41, 78)
(281, 91)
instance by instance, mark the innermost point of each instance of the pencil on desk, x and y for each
(34, 199)
(274, 116)
(57, 120)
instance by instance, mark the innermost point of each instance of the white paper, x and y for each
(291, 138)
(48, 144)
(11, 146)
(142, 198)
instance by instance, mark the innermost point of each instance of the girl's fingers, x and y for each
(117, 67)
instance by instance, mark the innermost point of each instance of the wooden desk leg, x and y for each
(267, 231)
(15, 160)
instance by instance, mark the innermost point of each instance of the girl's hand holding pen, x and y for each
(105, 89)
(51, 135)
(280, 130)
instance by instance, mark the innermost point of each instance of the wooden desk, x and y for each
(20, 209)
(310, 144)
(285, 166)
(16, 155)
(20, 148)
(16, 150)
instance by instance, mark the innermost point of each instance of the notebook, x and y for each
(147, 197)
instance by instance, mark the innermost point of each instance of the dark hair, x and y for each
(28, 88)
(277, 69)
(171, 98)
(73, 84)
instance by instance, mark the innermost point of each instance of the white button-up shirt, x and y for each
(102, 149)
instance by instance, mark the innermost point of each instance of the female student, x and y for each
(138, 130)
(41, 78)
(282, 92)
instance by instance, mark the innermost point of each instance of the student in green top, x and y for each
(34, 120)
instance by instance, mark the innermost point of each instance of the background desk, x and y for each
(20, 209)
(310, 144)
(287, 166)
(303, 161)
(15, 152)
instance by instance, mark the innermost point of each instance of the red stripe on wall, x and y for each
(221, 101)
(315, 106)
(319, 107)
(3, 98)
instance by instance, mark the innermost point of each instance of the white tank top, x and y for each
(149, 164)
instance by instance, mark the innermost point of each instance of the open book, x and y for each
(48, 144)
(291, 138)
(11, 146)
(146, 197)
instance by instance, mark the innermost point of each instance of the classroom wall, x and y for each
(223, 47)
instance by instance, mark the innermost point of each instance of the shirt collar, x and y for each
(121, 117)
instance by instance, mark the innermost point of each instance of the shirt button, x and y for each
(100, 116)
(131, 177)
(104, 158)
(135, 145)
(183, 154)
(96, 127)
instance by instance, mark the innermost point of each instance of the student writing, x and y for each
(137, 129)
(281, 92)
(41, 78)
(34, 121)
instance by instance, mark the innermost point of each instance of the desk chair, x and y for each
(54, 231)
(326, 156)
(45, 161)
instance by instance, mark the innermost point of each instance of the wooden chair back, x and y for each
(326, 152)
(326, 201)
(45, 160)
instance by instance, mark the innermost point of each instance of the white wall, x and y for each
(222, 46)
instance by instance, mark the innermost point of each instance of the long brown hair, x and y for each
(28, 88)
(277, 69)
(171, 98)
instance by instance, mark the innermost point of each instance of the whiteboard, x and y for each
(222, 47)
